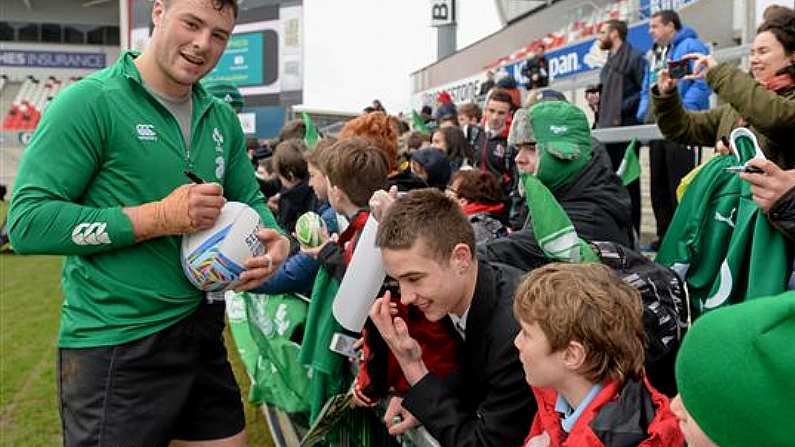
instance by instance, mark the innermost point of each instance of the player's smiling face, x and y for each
(190, 37)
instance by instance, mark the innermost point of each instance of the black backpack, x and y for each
(663, 294)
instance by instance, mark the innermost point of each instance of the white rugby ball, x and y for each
(213, 259)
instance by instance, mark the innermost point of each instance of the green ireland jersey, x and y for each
(106, 143)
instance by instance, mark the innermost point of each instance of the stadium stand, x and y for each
(31, 101)
(581, 26)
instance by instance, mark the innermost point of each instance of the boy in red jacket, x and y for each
(581, 347)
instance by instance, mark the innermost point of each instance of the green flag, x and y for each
(418, 124)
(629, 169)
(720, 242)
(327, 366)
(311, 137)
(263, 327)
(552, 227)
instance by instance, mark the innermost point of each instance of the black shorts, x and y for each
(175, 384)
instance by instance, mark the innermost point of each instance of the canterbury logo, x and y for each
(146, 132)
(557, 130)
(90, 234)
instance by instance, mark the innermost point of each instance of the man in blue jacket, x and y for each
(669, 161)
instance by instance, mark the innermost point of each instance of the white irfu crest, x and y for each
(218, 137)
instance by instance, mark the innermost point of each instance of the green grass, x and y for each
(30, 301)
(256, 426)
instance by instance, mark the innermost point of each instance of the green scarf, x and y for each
(552, 227)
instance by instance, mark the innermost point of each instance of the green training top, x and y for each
(103, 144)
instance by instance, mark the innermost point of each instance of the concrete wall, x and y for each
(60, 11)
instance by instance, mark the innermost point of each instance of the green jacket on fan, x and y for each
(769, 115)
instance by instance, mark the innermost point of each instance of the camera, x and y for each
(679, 69)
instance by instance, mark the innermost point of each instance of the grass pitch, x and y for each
(30, 301)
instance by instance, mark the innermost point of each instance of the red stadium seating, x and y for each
(31, 101)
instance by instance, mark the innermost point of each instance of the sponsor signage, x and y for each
(241, 63)
(442, 12)
(649, 7)
(464, 90)
(581, 57)
(51, 59)
(562, 63)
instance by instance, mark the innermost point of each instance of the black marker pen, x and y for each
(194, 178)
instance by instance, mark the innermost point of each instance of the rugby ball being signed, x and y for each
(213, 259)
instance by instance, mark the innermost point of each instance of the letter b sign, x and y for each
(442, 12)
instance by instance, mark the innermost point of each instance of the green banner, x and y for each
(263, 327)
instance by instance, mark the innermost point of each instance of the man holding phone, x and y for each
(669, 161)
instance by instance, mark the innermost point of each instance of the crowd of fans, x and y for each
(597, 351)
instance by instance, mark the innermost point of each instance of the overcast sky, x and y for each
(359, 50)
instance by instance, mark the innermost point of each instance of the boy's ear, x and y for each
(339, 195)
(574, 355)
(335, 191)
(461, 257)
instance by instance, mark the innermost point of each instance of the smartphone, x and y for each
(343, 344)
(746, 169)
(679, 69)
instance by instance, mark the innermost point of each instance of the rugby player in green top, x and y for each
(141, 357)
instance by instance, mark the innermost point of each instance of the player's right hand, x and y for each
(191, 208)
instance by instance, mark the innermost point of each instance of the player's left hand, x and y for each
(259, 268)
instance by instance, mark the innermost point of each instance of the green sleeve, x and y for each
(681, 126)
(769, 113)
(240, 184)
(46, 214)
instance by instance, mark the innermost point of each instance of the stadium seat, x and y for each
(30, 102)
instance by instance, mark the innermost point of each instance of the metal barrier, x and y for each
(284, 432)
(643, 133)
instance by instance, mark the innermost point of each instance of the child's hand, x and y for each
(381, 201)
(324, 239)
(398, 420)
